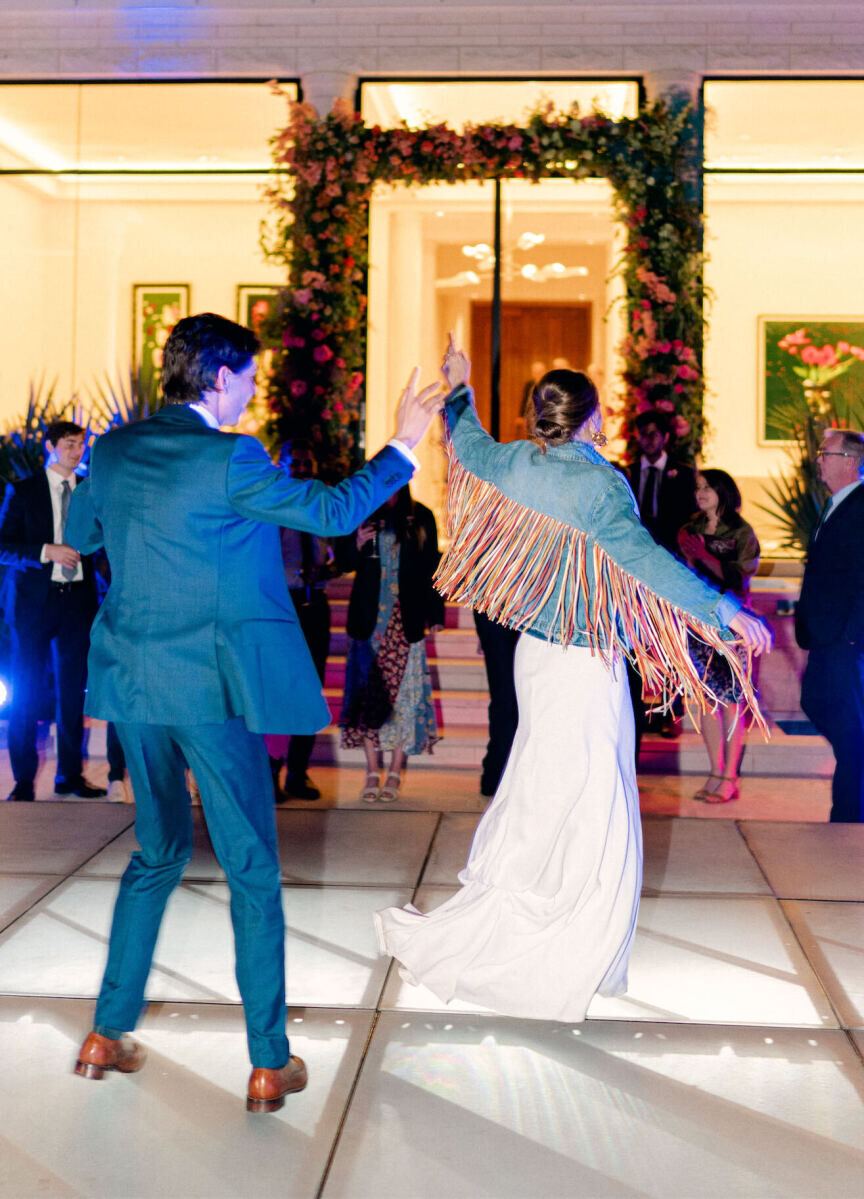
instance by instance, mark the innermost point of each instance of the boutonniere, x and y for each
(671, 474)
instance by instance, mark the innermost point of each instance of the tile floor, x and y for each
(733, 1067)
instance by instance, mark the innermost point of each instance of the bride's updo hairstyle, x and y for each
(560, 405)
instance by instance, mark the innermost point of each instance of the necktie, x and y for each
(823, 516)
(648, 507)
(68, 572)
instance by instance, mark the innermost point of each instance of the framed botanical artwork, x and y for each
(156, 309)
(817, 358)
(254, 304)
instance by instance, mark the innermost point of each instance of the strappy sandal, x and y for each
(725, 792)
(389, 793)
(369, 794)
(708, 788)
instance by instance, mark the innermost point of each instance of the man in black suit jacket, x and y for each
(665, 489)
(49, 600)
(664, 486)
(829, 621)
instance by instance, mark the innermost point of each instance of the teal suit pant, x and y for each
(233, 774)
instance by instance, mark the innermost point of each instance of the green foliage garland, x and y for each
(326, 170)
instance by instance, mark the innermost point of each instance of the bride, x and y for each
(546, 538)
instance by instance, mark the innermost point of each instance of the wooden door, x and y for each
(529, 333)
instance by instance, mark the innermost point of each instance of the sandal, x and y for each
(389, 793)
(725, 792)
(369, 794)
(708, 788)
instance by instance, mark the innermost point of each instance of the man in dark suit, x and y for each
(195, 652)
(664, 486)
(666, 491)
(49, 600)
(829, 621)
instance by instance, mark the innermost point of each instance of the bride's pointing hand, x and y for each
(456, 367)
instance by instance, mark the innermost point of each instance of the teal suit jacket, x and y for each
(198, 626)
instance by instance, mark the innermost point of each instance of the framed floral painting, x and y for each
(254, 304)
(817, 358)
(156, 309)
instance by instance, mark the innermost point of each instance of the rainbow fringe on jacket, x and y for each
(505, 560)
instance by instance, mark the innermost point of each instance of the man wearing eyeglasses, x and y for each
(829, 621)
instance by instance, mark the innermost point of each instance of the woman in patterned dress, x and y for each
(721, 547)
(387, 705)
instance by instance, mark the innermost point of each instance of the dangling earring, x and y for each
(598, 437)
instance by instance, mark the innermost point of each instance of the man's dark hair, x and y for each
(197, 347)
(653, 416)
(62, 428)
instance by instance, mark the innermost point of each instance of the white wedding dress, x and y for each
(546, 914)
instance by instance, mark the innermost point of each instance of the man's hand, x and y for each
(456, 367)
(64, 554)
(416, 411)
(753, 632)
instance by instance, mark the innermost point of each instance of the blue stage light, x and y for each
(4, 692)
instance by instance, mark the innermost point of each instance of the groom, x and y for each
(182, 656)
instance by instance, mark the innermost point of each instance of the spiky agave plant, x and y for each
(130, 397)
(22, 445)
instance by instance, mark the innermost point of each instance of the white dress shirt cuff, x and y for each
(43, 556)
(403, 449)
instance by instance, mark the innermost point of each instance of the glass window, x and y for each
(460, 102)
(810, 124)
(785, 245)
(108, 186)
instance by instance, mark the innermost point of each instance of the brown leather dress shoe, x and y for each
(268, 1088)
(99, 1054)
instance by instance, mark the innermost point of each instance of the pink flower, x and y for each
(665, 406)
(515, 143)
(302, 295)
(340, 363)
(843, 347)
(322, 353)
(687, 372)
(326, 414)
(338, 406)
(298, 388)
(680, 427)
(810, 355)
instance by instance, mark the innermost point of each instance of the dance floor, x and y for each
(732, 1067)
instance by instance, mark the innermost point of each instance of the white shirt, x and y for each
(55, 487)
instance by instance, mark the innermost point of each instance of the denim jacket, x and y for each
(552, 544)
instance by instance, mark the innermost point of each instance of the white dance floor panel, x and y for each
(331, 957)
(710, 960)
(331, 847)
(492, 1108)
(179, 1127)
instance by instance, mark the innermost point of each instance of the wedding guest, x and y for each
(388, 704)
(720, 546)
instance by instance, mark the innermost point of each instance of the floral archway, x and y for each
(321, 195)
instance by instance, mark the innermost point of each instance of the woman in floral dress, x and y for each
(721, 547)
(387, 707)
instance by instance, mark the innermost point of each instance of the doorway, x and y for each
(530, 333)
